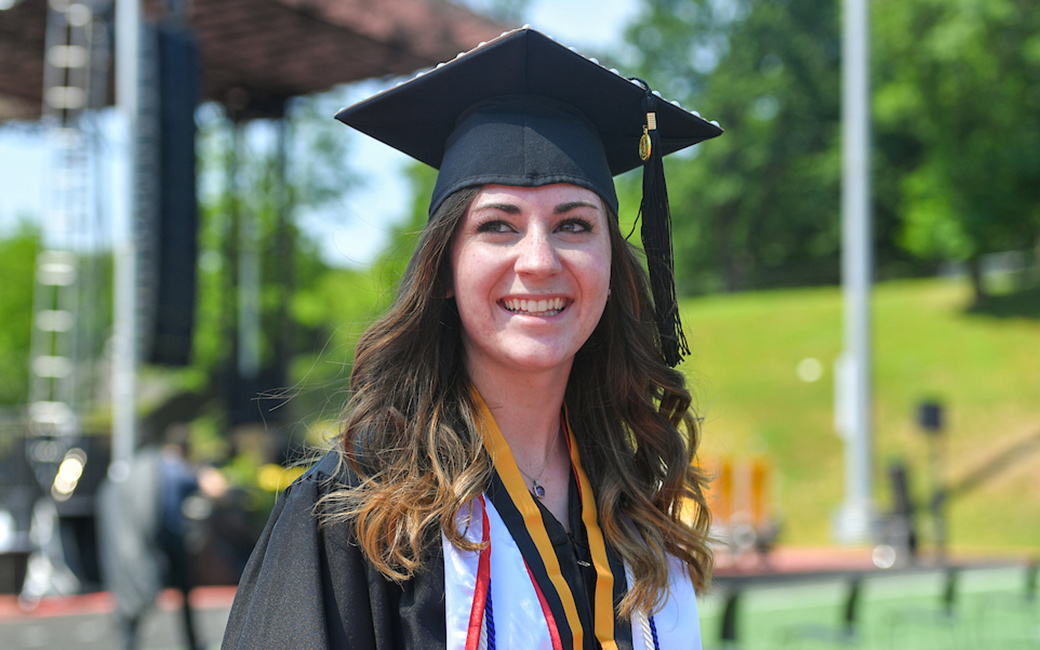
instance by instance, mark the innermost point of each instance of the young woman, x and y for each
(516, 464)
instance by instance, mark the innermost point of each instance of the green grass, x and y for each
(983, 365)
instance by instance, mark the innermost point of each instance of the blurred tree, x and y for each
(344, 302)
(957, 157)
(17, 268)
(240, 167)
(956, 105)
(18, 249)
(392, 261)
(759, 205)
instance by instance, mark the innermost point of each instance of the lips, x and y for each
(533, 307)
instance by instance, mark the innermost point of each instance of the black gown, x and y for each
(307, 586)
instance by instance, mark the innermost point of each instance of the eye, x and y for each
(493, 226)
(575, 225)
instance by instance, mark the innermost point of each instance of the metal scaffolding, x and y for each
(64, 325)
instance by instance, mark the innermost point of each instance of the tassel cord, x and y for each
(656, 233)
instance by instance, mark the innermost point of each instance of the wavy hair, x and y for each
(411, 433)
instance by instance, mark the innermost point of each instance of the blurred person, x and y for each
(145, 539)
(517, 452)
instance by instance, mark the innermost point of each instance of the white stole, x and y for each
(519, 622)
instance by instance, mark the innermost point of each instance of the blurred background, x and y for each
(199, 247)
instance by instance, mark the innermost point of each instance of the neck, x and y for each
(526, 409)
(527, 412)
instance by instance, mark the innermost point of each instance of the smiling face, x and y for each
(530, 274)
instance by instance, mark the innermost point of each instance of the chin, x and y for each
(534, 359)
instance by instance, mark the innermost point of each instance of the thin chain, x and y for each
(536, 488)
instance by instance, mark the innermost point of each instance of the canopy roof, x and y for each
(257, 53)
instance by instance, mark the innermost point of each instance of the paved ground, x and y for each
(86, 622)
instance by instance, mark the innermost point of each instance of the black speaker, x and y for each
(176, 247)
(249, 400)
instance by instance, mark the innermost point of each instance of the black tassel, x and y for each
(656, 232)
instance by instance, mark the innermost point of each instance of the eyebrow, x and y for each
(508, 208)
(562, 208)
(570, 205)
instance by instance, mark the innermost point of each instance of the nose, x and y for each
(537, 255)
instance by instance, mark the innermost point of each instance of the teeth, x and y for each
(544, 307)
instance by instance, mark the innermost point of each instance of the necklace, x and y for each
(537, 489)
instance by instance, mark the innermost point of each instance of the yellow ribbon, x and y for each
(514, 483)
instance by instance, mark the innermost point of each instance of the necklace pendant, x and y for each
(537, 490)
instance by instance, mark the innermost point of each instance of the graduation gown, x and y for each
(307, 586)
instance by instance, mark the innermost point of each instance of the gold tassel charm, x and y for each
(645, 148)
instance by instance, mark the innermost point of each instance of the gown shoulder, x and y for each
(308, 585)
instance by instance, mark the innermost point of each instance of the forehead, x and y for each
(543, 196)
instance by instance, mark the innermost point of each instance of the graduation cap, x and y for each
(524, 110)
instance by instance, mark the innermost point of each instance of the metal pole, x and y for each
(248, 292)
(124, 346)
(854, 522)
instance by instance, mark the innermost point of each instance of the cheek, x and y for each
(470, 286)
(602, 269)
(459, 271)
(594, 279)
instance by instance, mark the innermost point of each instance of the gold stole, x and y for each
(522, 498)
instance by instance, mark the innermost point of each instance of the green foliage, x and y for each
(337, 308)
(961, 82)
(957, 161)
(757, 206)
(335, 311)
(18, 250)
(17, 268)
(240, 168)
(391, 263)
(342, 303)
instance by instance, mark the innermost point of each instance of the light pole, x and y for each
(854, 521)
(124, 336)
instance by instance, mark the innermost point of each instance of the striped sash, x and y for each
(534, 603)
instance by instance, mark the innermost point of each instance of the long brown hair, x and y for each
(411, 437)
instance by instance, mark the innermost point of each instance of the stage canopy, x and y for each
(257, 53)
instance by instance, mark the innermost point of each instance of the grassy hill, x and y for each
(983, 365)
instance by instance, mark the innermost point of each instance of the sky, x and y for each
(350, 233)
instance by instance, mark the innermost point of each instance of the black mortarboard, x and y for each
(524, 110)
